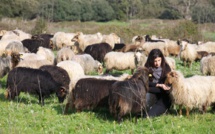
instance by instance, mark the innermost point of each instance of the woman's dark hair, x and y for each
(154, 53)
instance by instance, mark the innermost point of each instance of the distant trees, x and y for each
(199, 11)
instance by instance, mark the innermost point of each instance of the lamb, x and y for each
(129, 96)
(98, 51)
(32, 81)
(88, 94)
(193, 92)
(207, 65)
(188, 53)
(88, 63)
(63, 54)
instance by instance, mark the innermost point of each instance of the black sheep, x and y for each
(98, 51)
(58, 74)
(118, 46)
(148, 39)
(33, 44)
(89, 93)
(45, 37)
(129, 96)
(32, 81)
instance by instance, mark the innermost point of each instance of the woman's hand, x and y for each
(165, 87)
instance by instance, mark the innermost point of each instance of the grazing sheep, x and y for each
(59, 75)
(47, 53)
(111, 39)
(171, 62)
(148, 46)
(173, 47)
(188, 53)
(201, 54)
(15, 46)
(32, 81)
(129, 96)
(148, 39)
(207, 66)
(33, 63)
(45, 37)
(98, 51)
(88, 63)
(33, 44)
(8, 63)
(118, 47)
(15, 35)
(193, 92)
(122, 61)
(208, 47)
(82, 41)
(88, 94)
(63, 54)
(61, 39)
(74, 70)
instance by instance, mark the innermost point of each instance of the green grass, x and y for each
(24, 115)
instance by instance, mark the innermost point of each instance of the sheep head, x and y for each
(171, 78)
(61, 94)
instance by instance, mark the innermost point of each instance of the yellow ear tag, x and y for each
(21, 55)
(150, 75)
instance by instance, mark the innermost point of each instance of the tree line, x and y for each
(200, 11)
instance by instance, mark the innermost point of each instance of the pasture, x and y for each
(25, 115)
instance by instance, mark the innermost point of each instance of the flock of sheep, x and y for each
(34, 68)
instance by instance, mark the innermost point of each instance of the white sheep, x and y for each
(15, 46)
(74, 70)
(16, 35)
(111, 39)
(121, 61)
(207, 66)
(148, 46)
(192, 92)
(47, 53)
(3, 45)
(171, 62)
(83, 40)
(208, 47)
(33, 63)
(63, 54)
(88, 63)
(62, 39)
(188, 53)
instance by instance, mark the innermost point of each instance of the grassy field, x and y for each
(24, 115)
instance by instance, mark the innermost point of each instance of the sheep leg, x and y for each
(66, 108)
(204, 108)
(187, 112)
(180, 110)
(132, 71)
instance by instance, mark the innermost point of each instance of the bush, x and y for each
(203, 14)
(40, 26)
